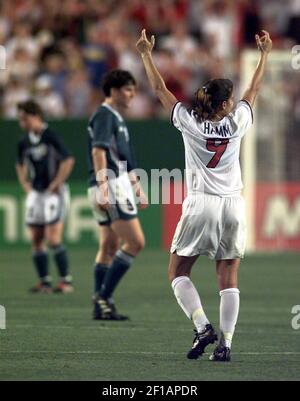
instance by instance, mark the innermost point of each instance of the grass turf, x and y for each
(52, 337)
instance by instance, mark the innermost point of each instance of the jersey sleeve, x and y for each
(20, 153)
(59, 146)
(243, 116)
(180, 117)
(102, 129)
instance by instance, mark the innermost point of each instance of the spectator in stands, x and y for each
(16, 92)
(63, 38)
(23, 66)
(182, 45)
(50, 101)
(55, 68)
(22, 38)
(99, 57)
(78, 94)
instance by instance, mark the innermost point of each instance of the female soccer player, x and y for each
(43, 166)
(213, 218)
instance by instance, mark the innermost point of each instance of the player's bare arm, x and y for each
(264, 44)
(64, 170)
(138, 190)
(21, 170)
(100, 166)
(145, 48)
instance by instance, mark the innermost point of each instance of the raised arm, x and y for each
(145, 47)
(264, 44)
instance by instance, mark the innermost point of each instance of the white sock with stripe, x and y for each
(229, 311)
(188, 298)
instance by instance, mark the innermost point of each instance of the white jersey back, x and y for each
(212, 149)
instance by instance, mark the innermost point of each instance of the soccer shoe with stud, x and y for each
(201, 341)
(105, 310)
(221, 354)
(41, 288)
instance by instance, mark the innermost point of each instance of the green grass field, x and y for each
(52, 337)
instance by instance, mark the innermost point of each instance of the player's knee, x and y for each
(111, 251)
(171, 275)
(53, 242)
(107, 252)
(37, 247)
(37, 243)
(108, 247)
(226, 282)
(140, 244)
(231, 283)
(53, 239)
(135, 246)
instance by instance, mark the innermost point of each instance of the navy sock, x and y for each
(119, 267)
(40, 260)
(100, 270)
(61, 260)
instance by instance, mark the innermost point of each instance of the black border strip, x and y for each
(246, 101)
(172, 113)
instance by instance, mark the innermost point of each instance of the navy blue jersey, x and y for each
(42, 154)
(108, 130)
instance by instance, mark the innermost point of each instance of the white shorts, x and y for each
(211, 226)
(123, 205)
(43, 208)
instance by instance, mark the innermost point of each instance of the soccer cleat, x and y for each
(201, 341)
(105, 310)
(115, 313)
(41, 288)
(221, 354)
(64, 288)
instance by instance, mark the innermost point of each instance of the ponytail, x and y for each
(210, 97)
(204, 107)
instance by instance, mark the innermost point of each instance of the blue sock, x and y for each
(100, 271)
(61, 260)
(119, 267)
(40, 260)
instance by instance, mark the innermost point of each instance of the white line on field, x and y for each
(136, 352)
(100, 327)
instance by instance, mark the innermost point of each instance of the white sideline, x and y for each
(137, 352)
(117, 327)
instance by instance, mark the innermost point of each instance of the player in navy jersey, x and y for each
(213, 213)
(112, 189)
(43, 166)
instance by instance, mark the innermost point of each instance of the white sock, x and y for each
(229, 311)
(188, 298)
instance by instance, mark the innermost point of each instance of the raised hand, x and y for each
(264, 43)
(143, 44)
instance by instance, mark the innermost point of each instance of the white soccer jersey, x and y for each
(212, 149)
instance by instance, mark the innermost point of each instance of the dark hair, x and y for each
(116, 79)
(210, 97)
(32, 108)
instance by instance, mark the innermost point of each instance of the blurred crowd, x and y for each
(57, 51)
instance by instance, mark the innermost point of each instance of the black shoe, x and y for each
(41, 288)
(201, 341)
(105, 310)
(115, 313)
(221, 354)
